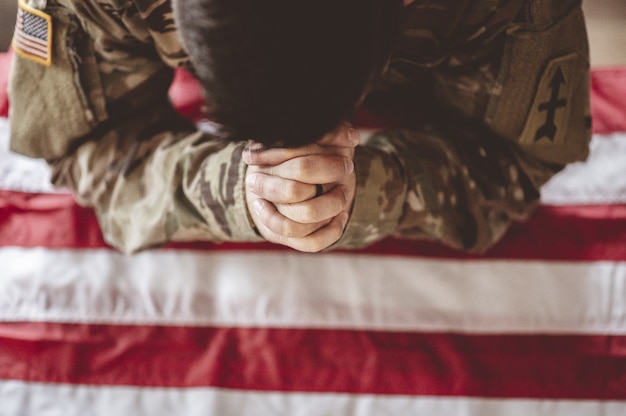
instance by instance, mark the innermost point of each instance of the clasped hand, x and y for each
(282, 191)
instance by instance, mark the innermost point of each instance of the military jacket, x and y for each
(493, 97)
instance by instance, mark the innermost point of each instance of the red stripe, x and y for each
(608, 99)
(29, 44)
(31, 51)
(576, 233)
(507, 366)
(32, 43)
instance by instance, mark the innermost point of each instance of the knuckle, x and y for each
(289, 230)
(255, 157)
(343, 199)
(306, 213)
(292, 190)
(286, 227)
(252, 158)
(265, 215)
(347, 165)
(334, 204)
(272, 190)
(263, 187)
(256, 183)
(305, 166)
(336, 165)
(275, 170)
(340, 167)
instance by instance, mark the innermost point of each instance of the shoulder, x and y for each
(432, 32)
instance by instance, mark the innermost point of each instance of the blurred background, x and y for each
(7, 21)
(606, 21)
(606, 25)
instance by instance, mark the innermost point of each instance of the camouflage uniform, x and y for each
(493, 98)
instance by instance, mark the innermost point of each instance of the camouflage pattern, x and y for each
(100, 116)
(494, 101)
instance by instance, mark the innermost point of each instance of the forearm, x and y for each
(422, 185)
(100, 115)
(489, 117)
(177, 185)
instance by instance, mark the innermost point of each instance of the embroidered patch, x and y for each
(33, 34)
(549, 116)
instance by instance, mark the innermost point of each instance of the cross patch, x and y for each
(549, 115)
(32, 38)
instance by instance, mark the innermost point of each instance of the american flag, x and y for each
(535, 327)
(33, 34)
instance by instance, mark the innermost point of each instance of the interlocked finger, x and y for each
(281, 226)
(282, 191)
(313, 169)
(322, 237)
(318, 209)
(340, 142)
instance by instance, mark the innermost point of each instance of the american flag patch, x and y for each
(33, 34)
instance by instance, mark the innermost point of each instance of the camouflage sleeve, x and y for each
(99, 113)
(489, 119)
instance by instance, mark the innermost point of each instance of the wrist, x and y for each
(378, 199)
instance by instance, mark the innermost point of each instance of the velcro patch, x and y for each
(549, 115)
(33, 34)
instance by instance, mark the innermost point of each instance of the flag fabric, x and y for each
(537, 326)
(32, 38)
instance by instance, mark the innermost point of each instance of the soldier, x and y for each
(490, 99)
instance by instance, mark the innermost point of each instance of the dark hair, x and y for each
(285, 71)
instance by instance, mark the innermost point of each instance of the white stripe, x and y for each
(33, 40)
(38, 46)
(288, 289)
(26, 48)
(21, 173)
(19, 398)
(600, 180)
